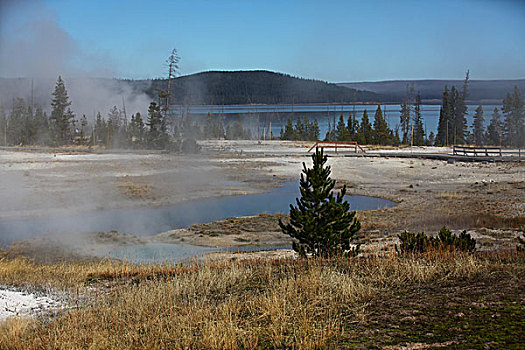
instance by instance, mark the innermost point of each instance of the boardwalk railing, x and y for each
(354, 146)
(470, 151)
(477, 151)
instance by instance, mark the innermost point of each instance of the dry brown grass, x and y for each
(451, 195)
(220, 305)
(134, 190)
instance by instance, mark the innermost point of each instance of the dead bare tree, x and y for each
(173, 69)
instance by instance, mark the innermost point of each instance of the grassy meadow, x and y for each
(432, 300)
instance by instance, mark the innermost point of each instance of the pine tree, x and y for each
(352, 127)
(322, 223)
(419, 131)
(15, 122)
(381, 130)
(154, 126)
(314, 130)
(514, 119)
(478, 134)
(61, 115)
(83, 130)
(300, 128)
(459, 104)
(404, 117)
(454, 121)
(136, 130)
(114, 117)
(289, 132)
(3, 125)
(341, 133)
(365, 136)
(100, 131)
(494, 130)
(443, 136)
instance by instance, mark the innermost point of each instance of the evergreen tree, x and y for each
(83, 130)
(110, 132)
(300, 128)
(478, 133)
(365, 136)
(404, 117)
(136, 130)
(396, 140)
(289, 132)
(352, 127)
(61, 115)
(322, 223)
(495, 128)
(514, 119)
(16, 122)
(444, 123)
(3, 126)
(154, 138)
(419, 131)
(114, 118)
(314, 131)
(454, 120)
(381, 130)
(341, 133)
(460, 112)
(100, 131)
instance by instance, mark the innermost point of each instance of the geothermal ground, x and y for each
(486, 199)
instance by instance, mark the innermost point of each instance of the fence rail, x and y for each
(471, 151)
(338, 144)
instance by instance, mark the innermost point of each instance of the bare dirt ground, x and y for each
(485, 199)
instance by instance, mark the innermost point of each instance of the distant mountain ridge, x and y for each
(257, 87)
(239, 87)
(480, 91)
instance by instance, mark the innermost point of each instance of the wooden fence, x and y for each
(470, 151)
(344, 145)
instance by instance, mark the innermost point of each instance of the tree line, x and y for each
(508, 130)
(351, 129)
(25, 125)
(506, 126)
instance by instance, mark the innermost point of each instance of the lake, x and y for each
(258, 117)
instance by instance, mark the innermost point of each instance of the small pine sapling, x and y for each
(321, 224)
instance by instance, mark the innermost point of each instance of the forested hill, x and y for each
(246, 87)
(480, 91)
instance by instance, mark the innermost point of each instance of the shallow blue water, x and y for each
(172, 253)
(150, 221)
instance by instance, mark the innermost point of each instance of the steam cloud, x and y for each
(33, 46)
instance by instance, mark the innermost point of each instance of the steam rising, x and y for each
(34, 46)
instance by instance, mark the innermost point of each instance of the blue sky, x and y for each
(334, 41)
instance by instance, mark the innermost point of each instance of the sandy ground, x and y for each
(486, 199)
